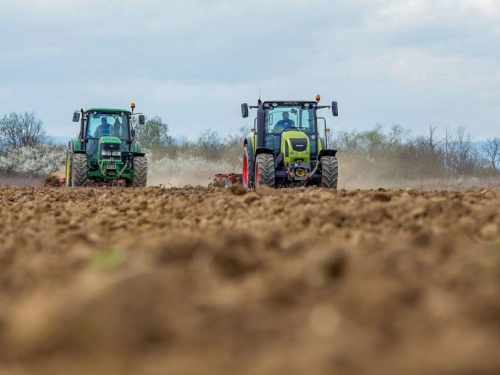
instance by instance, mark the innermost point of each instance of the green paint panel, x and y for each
(77, 144)
(109, 140)
(293, 155)
(134, 147)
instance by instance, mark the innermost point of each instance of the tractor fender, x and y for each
(75, 145)
(264, 150)
(139, 153)
(327, 153)
(136, 147)
(321, 144)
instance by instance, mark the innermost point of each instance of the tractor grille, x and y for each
(299, 144)
(112, 146)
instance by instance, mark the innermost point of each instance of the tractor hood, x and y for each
(108, 139)
(295, 146)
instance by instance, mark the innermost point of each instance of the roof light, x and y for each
(318, 98)
(132, 105)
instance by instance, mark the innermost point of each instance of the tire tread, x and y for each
(330, 172)
(80, 170)
(140, 178)
(267, 170)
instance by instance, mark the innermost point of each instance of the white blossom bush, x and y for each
(33, 161)
(187, 169)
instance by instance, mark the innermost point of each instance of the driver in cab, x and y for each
(103, 129)
(283, 124)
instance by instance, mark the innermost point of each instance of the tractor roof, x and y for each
(290, 102)
(108, 110)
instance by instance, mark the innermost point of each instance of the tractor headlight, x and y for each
(106, 153)
(117, 153)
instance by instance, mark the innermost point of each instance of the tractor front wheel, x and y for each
(330, 172)
(79, 170)
(140, 178)
(265, 173)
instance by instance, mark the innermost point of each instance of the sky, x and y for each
(410, 62)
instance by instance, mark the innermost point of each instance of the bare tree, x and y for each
(345, 140)
(461, 157)
(19, 130)
(209, 144)
(492, 151)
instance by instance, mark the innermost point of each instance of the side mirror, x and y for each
(244, 110)
(335, 109)
(132, 133)
(76, 117)
(142, 119)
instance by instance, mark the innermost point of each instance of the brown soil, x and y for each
(207, 281)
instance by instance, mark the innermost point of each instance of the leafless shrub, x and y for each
(21, 130)
(491, 150)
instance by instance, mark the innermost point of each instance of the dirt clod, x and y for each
(52, 180)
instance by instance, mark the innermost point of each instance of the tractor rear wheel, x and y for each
(79, 170)
(140, 178)
(248, 169)
(330, 174)
(265, 173)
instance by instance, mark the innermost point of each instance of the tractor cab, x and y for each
(284, 117)
(287, 147)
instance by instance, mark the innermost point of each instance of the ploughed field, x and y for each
(211, 281)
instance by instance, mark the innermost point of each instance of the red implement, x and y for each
(228, 179)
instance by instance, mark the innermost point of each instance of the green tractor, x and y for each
(286, 149)
(106, 152)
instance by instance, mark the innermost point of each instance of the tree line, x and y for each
(396, 153)
(393, 152)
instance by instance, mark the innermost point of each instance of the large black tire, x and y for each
(79, 170)
(140, 178)
(265, 173)
(330, 172)
(248, 168)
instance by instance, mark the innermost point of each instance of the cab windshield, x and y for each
(282, 118)
(104, 124)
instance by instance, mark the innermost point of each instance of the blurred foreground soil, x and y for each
(204, 281)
